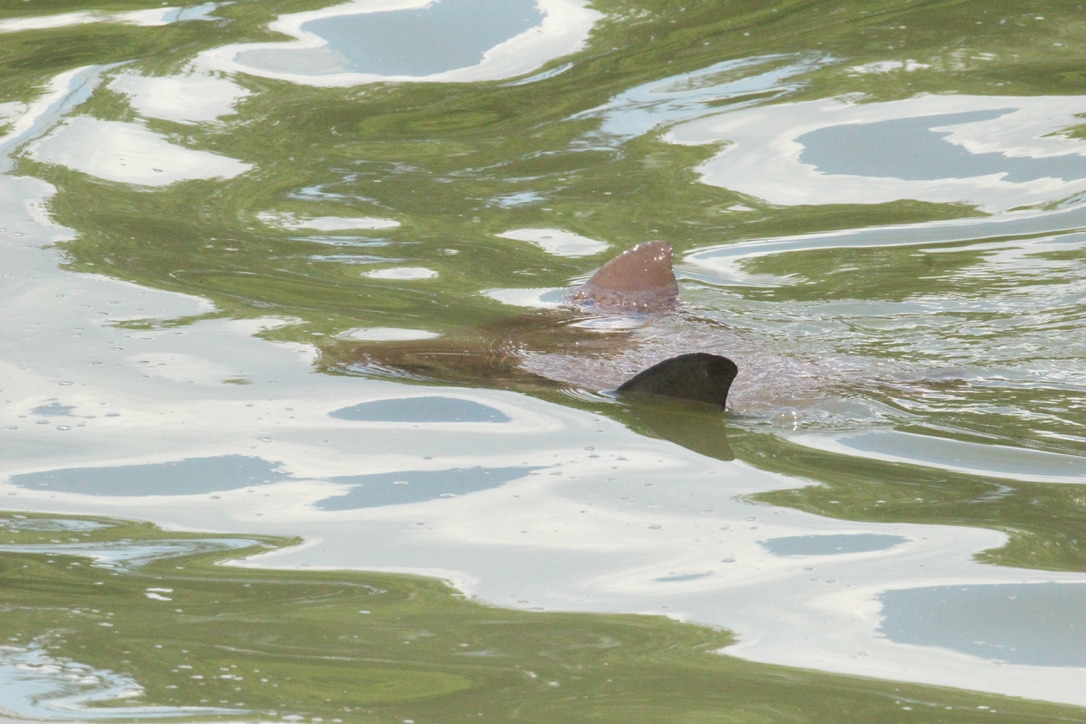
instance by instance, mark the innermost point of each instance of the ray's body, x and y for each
(624, 330)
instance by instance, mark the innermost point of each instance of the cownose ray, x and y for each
(639, 282)
(643, 279)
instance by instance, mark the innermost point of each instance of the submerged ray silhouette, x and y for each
(639, 282)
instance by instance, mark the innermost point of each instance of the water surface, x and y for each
(876, 211)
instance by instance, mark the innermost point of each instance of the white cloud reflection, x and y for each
(35, 685)
(291, 221)
(314, 60)
(192, 98)
(146, 18)
(129, 153)
(557, 241)
(608, 520)
(993, 152)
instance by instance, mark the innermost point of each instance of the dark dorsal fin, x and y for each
(699, 376)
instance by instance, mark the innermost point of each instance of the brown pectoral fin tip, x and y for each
(699, 377)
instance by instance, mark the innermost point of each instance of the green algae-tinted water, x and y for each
(876, 209)
(174, 634)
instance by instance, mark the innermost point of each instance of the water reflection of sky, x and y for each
(1040, 624)
(148, 18)
(576, 512)
(439, 37)
(412, 40)
(421, 409)
(732, 84)
(130, 554)
(35, 685)
(190, 98)
(557, 241)
(917, 149)
(129, 153)
(830, 545)
(1012, 463)
(181, 477)
(524, 502)
(996, 153)
(414, 486)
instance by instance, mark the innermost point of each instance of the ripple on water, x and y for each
(995, 152)
(413, 40)
(1034, 624)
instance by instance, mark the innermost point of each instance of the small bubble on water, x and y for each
(787, 419)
